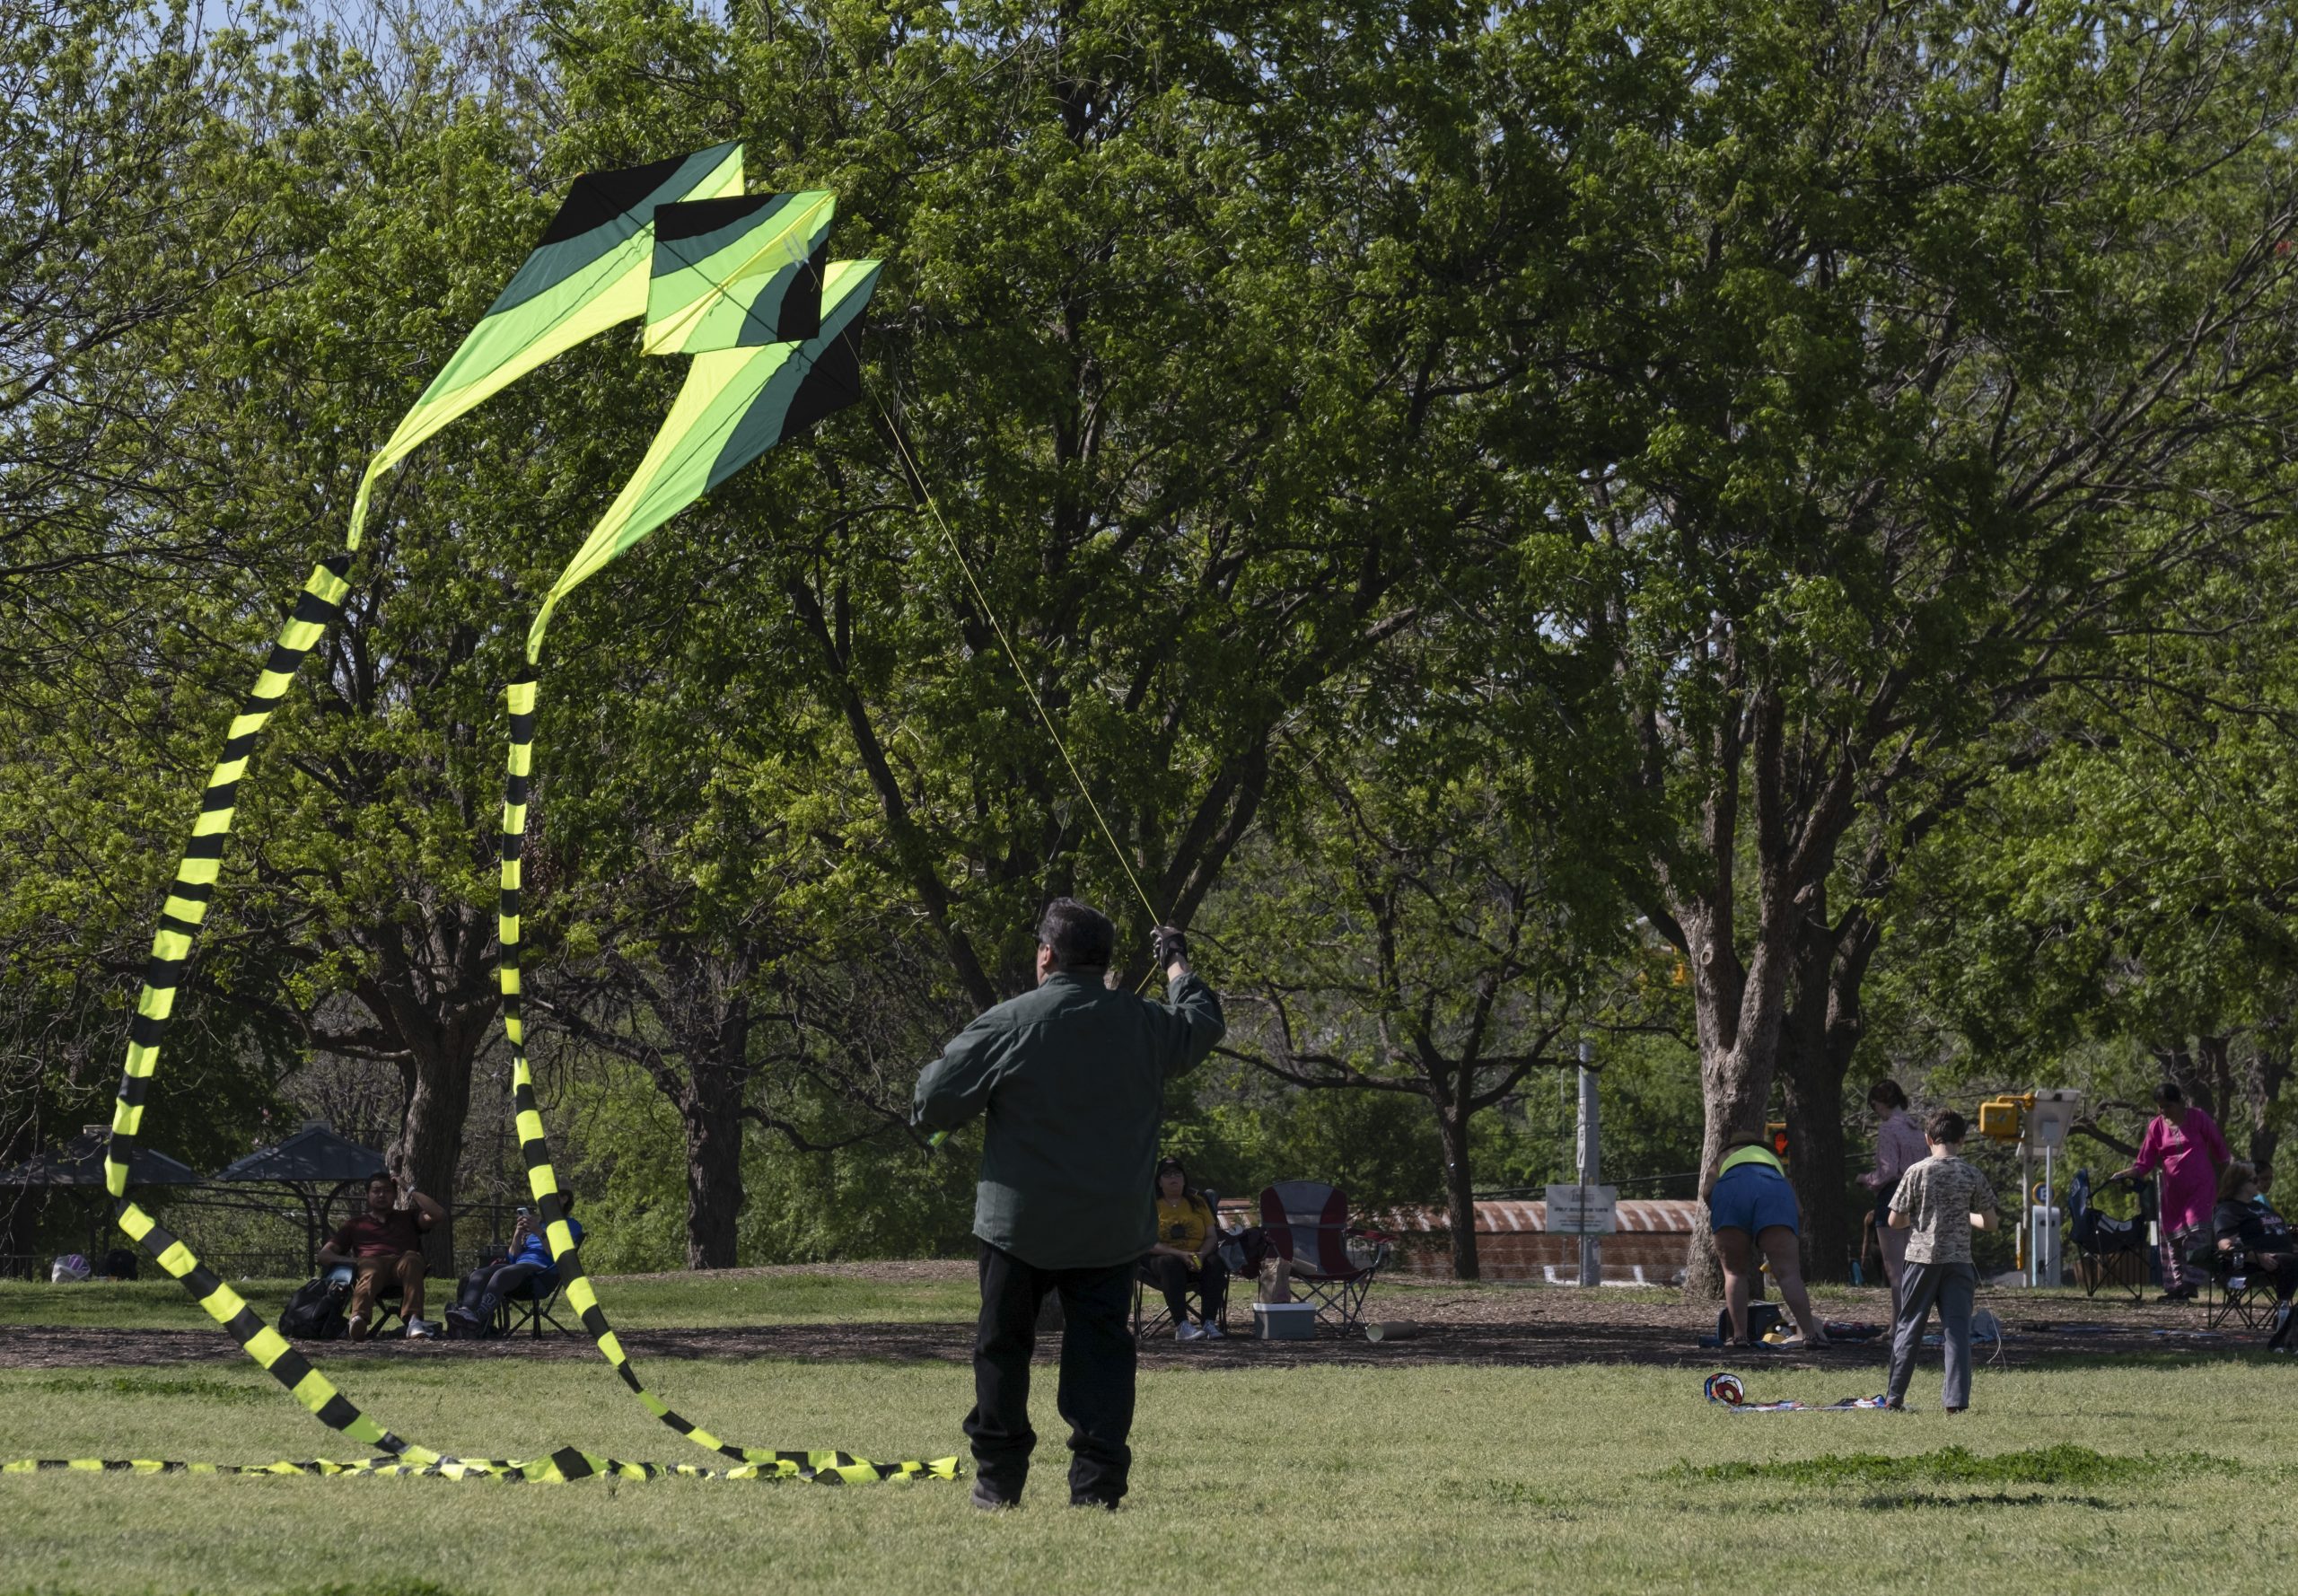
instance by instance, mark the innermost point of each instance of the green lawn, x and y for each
(2167, 1472)
(637, 1302)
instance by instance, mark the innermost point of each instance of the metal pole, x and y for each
(2027, 1203)
(1591, 1248)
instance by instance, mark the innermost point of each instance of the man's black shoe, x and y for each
(989, 1501)
(1101, 1502)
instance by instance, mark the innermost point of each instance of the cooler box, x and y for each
(1284, 1321)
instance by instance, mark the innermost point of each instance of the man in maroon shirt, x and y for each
(385, 1243)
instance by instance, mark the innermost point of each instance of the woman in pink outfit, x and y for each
(2184, 1144)
(1899, 1146)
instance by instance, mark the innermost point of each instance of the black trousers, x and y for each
(1176, 1279)
(1097, 1374)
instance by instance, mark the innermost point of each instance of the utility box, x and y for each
(1999, 1118)
(1284, 1321)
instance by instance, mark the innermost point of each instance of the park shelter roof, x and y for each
(314, 1154)
(80, 1161)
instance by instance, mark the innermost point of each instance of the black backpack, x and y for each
(1762, 1319)
(315, 1312)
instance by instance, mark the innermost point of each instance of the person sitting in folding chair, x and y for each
(381, 1248)
(2243, 1220)
(528, 1266)
(1187, 1256)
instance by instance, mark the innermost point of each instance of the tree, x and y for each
(1938, 347)
(1423, 925)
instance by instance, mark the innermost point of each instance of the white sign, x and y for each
(1582, 1210)
(2052, 1117)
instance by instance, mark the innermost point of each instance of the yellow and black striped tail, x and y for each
(567, 1463)
(189, 897)
(542, 1179)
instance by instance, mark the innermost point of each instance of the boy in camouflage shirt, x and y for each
(1941, 1200)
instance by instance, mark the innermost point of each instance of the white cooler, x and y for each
(1284, 1321)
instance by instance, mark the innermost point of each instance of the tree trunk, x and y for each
(1818, 1039)
(1460, 1189)
(429, 1149)
(1812, 1089)
(711, 1106)
(437, 1006)
(2263, 1078)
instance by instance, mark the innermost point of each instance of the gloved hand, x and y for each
(1169, 946)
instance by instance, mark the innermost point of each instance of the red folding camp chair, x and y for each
(1307, 1223)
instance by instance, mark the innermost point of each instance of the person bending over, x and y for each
(2243, 1219)
(1070, 1079)
(1940, 1201)
(2184, 1146)
(383, 1245)
(1750, 1205)
(1187, 1255)
(528, 1260)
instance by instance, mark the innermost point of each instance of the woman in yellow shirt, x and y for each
(1185, 1258)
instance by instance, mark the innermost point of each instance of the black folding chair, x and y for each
(2233, 1288)
(1152, 1314)
(528, 1308)
(2110, 1251)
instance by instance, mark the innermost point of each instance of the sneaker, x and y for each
(421, 1329)
(358, 1326)
(989, 1501)
(1189, 1332)
(1212, 1332)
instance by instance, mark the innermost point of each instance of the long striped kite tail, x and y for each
(189, 895)
(542, 1177)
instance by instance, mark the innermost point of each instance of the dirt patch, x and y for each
(1494, 1325)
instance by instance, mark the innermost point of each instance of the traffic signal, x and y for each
(1777, 1130)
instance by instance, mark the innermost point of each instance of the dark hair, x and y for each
(1887, 1092)
(386, 1177)
(2167, 1093)
(2237, 1176)
(1747, 1138)
(1081, 938)
(567, 1201)
(1169, 1166)
(1947, 1127)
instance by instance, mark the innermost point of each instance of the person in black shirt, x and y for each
(2243, 1219)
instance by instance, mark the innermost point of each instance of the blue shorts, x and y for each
(1751, 1198)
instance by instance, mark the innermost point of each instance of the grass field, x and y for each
(687, 1301)
(2148, 1473)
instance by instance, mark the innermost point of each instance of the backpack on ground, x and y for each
(315, 1312)
(1762, 1319)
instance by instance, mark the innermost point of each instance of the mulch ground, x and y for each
(1525, 1326)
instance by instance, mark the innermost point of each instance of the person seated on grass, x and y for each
(528, 1261)
(1940, 1201)
(1750, 1206)
(2243, 1219)
(1185, 1254)
(381, 1245)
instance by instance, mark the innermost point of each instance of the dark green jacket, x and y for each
(1071, 1080)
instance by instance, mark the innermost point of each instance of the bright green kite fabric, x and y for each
(735, 406)
(591, 270)
(733, 274)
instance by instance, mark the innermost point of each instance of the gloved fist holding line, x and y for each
(1170, 948)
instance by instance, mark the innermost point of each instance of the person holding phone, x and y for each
(527, 1260)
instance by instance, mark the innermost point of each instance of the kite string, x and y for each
(950, 541)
